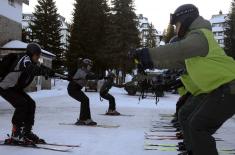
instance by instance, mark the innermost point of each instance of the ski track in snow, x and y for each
(55, 106)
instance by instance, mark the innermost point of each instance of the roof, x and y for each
(16, 44)
(218, 18)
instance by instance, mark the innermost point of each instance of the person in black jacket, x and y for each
(104, 93)
(77, 82)
(12, 89)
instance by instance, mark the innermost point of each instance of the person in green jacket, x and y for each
(210, 76)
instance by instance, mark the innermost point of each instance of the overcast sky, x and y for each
(156, 10)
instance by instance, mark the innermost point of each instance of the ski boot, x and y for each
(180, 135)
(28, 134)
(88, 122)
(181, 146)
(186, 153)
(112, 113)
(17, 137)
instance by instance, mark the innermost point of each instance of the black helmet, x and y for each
(87, 62)
(184, 12)
(174, 39)
(32, 49)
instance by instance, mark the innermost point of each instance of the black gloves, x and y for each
(47, 72)
(143, 57)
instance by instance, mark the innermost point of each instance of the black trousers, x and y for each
(75, 92)
(180, 103)
(24, 106)
(111, 99)
(216, 109)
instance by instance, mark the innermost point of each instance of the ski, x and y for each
(158, 135)
(161, 145)
(162, 127)
(147, 147)
(122, 115)
(63, 145)
(167, 115)
(175, 148)
(162, 138)
(94, 126)
(171, 138)
(51, 144)
(39, 146)
(156, 130)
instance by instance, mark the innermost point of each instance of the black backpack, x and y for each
(8, 64)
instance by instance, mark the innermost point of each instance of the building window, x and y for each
(11, 2)
(220, 33)
(221, 41)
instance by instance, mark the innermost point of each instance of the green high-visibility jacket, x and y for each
(206, 74)
(207, 64)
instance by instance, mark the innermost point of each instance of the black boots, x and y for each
(88, 122)
(28, 134)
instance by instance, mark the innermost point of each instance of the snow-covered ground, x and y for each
(55, 106)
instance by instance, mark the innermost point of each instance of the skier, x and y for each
(210, 77)
(75, 86)
(104, 93)
(12, 87)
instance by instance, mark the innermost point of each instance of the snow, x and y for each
(55, 106)
(21, 45)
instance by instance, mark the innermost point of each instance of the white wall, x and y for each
(11, 12)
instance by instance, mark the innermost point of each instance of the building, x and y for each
(10, 20)
(218, 27)
(11, 34)
(143, 27)
(27, 18)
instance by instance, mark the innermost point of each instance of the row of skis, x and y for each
(166, 135)
(56, 146)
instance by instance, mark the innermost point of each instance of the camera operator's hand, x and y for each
(143, 57)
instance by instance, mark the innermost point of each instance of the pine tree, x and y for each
(230, 32)
(169, 33)
(46, 30)
(125, 35)
(87, 32)
(151, 37)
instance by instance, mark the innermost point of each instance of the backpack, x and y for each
(8, 64)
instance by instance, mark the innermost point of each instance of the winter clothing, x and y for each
(24, 106)
(32, 49)
(26, 71)
(111, 99)
(209, 71)
(88, 122)
(216, 65)
(185, 15)
(12, 90)
(184, 12)
(173, 56)
(75, 91)
(108, 84)
(185, 112)
(217, 108)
